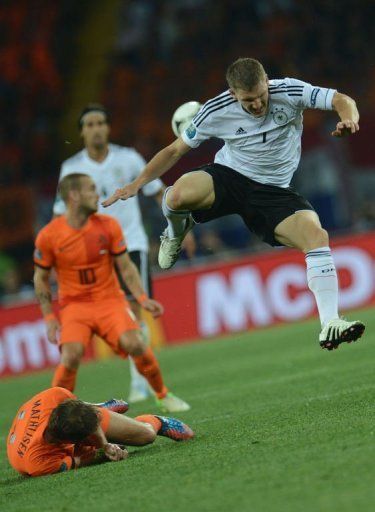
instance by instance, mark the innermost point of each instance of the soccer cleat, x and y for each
(114, 405)
(171, 403)
(338, 331)
(174, 429)
(138, 395)
(170, 248)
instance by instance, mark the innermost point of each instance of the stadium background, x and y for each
(142, 59)
(281, 426)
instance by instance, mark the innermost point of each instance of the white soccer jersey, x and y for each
(121, 166)
(265, 149)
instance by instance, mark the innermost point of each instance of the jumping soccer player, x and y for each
(54, 432)
(83, 247)
(260, 121)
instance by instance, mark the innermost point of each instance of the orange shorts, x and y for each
(109, 319)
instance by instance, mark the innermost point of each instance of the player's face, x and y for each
(88, 196)
(254, 101)
(95, 130)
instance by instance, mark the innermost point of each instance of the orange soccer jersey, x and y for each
(83, 258)
(28, 452)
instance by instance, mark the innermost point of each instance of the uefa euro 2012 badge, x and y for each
(191, 131)
(280, 117)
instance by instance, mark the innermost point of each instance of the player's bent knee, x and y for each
(71, 355)
(137, 350)
(318, 238)
(175, 199)
(193, 190)
(71, 362)
(133, 344)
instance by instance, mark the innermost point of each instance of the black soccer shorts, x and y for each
(262, 207)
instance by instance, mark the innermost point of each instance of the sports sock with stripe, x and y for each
(137, 381)
(148, 366)
(176, 218)
(322, 281)
(151, 420)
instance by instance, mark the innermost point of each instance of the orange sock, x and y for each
(148, 366)
(152, 420)
(64, 378)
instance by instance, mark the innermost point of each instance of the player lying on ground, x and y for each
(260, 121)
(54, 432)
(84, 247)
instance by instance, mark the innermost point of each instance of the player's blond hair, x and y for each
(245, 73)
(70, 182)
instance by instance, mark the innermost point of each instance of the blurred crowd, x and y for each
(165, 53)
(168, 51)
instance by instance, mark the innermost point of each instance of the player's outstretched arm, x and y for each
(347, 111)
(43, 293)
(132, 279)
(157, 166)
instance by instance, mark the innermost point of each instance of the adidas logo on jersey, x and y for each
(240, 131)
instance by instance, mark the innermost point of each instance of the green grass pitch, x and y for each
(281, 425)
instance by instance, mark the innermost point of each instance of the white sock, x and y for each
(176, 218)
(322, 281)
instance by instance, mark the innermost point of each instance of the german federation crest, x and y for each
(280, 117)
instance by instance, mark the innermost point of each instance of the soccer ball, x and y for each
(183, 116)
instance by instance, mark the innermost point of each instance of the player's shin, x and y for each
(148, 366)
(322, 281)
(139, 387)
(64, 378)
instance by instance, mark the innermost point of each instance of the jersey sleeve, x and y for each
(118, 243)
(43, 252)
(45, 464)
(304, 95)
(154, 186)
(198, 131)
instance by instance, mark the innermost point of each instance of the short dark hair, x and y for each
(245, 73)
(70, 182)
(73, 420)
(93, 107)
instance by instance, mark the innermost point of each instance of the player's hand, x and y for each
(189, 245)
(154, 307)
(344, 128)
(53, 328)
(114, 453)
(124, 193)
